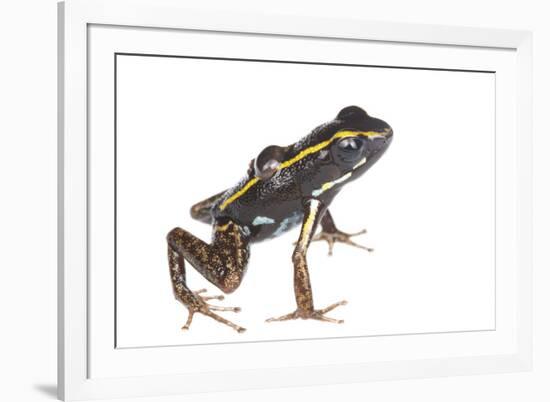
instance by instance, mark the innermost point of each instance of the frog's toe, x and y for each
(205, 297)
(208, 310)
(217, 297)
(222, 308)
(201, 306)
(289, 316)
(313, 315)
(340, 237)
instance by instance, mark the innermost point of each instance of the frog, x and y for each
(284, 187)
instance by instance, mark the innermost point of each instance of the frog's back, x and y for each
(270, 206)
(266, 208)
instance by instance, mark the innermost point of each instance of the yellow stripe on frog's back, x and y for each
(243, 190)
(301, 155)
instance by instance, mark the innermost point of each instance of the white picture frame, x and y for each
(118, 372)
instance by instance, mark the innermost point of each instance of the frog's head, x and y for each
(358, 141)
(351, 144)
(334, 153)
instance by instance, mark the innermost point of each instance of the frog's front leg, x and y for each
(332, 235)
(302, 285)
(223, 263)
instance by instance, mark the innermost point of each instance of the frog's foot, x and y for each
(206, 298)
(199, 305)
(340, 237)
(313, 314)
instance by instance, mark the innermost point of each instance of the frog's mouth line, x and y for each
(328, 185)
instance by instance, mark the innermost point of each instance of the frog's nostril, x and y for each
(377, 143)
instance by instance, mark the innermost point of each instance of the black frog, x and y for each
(283, 187)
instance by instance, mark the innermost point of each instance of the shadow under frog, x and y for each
(283, 187)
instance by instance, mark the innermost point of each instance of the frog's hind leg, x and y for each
(201, 211)
(223, 263)
(332, 235)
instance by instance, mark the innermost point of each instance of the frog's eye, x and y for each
(350, 149)
(350, 144)
(268, 161)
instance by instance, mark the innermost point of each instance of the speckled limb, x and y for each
(201, 211)
(302, 285)
(332, 235)
(223, 263)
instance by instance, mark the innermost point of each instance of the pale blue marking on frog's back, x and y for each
(288, 223)
(262, 220)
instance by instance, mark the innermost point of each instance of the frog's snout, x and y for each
(378, 142)
(387, 133)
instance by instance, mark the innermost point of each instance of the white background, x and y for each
(28, 166)
(187, 129)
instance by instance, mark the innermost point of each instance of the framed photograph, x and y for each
(254, 201)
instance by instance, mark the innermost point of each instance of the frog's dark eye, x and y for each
(268, 161)
(350, 144)
(350, 149)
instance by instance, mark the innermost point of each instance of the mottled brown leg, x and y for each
(332, 235)
(201, 211)
(302, 284)
(223, 263)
